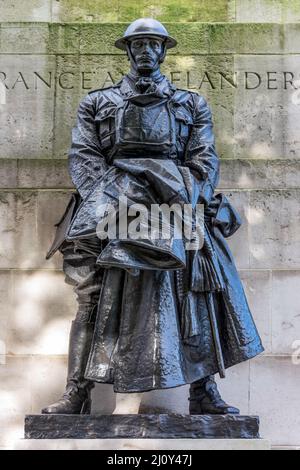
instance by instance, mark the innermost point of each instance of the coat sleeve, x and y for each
(201, 155)
(86, 162)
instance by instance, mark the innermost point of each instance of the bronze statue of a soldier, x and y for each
(150, 314)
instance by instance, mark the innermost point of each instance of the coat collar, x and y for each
(128, 90)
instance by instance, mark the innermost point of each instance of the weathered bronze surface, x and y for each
(151, 315)
(141, 426)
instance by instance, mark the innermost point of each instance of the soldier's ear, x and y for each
(164, 53)
(128, 52)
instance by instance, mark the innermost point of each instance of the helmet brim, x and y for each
(122, 42)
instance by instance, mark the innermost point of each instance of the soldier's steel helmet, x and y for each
(145, 27)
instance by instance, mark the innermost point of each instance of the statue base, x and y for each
(143, 444)
(160, 426)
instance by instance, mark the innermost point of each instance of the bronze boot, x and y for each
(206, 399)
(77, 397)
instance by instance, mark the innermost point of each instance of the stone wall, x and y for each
(243, 56)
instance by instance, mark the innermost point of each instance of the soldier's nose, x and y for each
(146, 47)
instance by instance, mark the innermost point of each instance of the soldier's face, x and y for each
(147, 52)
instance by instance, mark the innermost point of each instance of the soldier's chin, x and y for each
(145, 66)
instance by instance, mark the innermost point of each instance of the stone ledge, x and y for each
(159, 426)
(143, 444)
